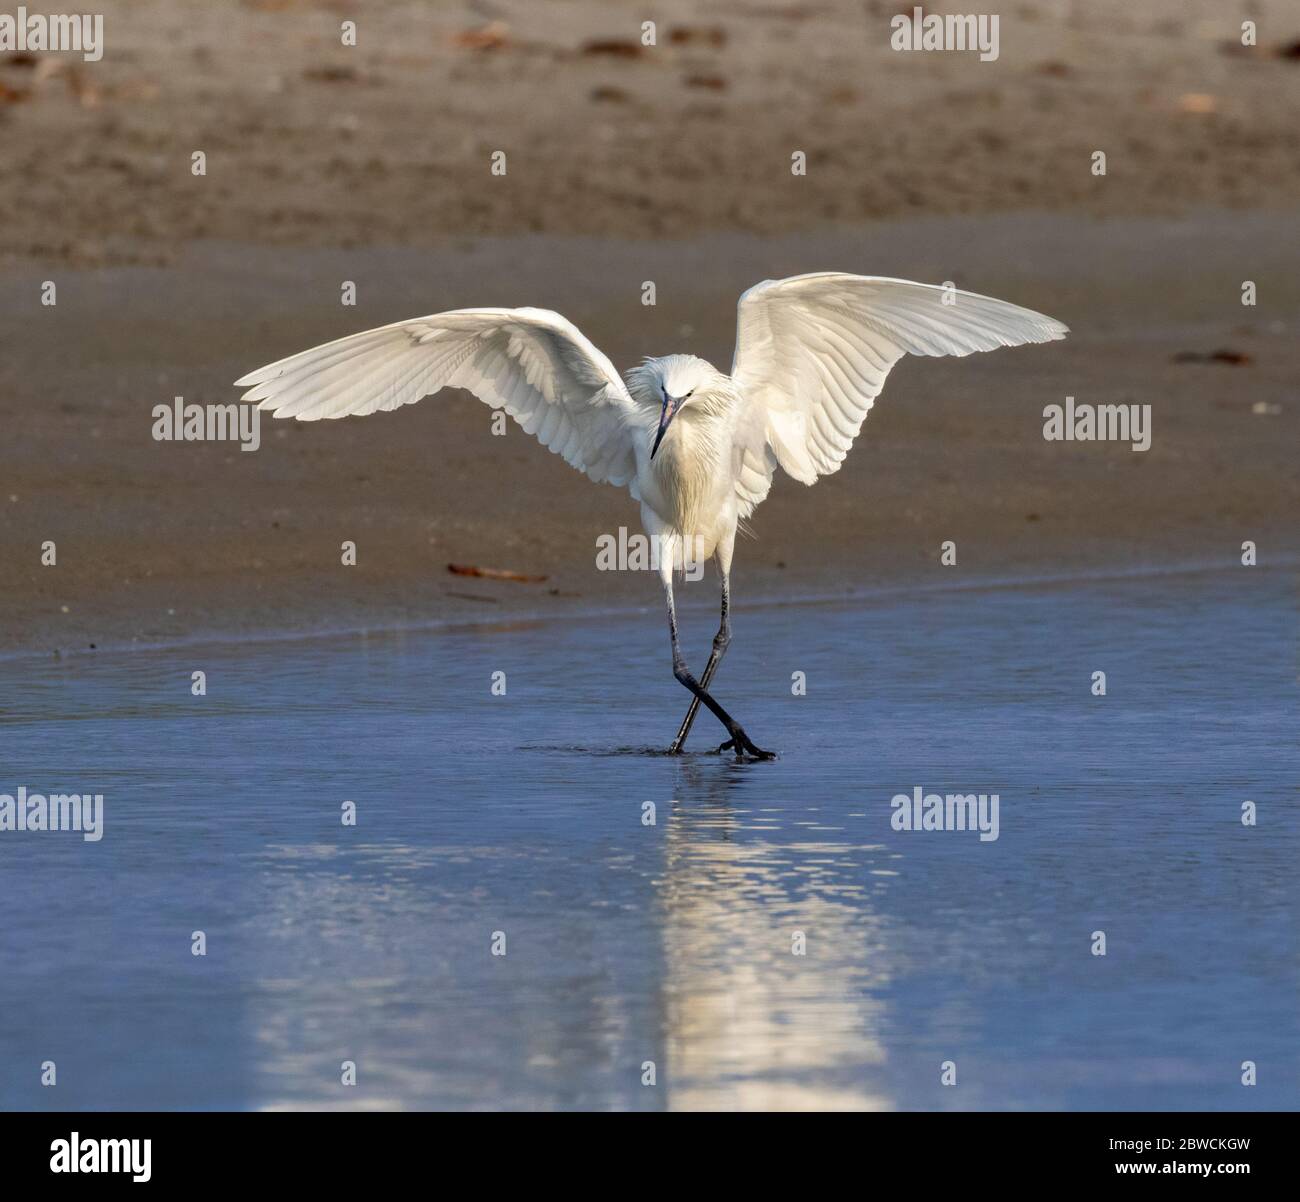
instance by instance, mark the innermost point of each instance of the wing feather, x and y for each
(532, 363)
(813, 352)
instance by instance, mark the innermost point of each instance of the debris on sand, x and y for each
(332, 73)
(470, 569)
(1285, 50)
(495, 35)
(697, 35)
(1197, 102)
(612, 48)
(1222, 355)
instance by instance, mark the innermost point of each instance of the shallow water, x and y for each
(672, 943)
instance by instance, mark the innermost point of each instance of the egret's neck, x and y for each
(689, 464)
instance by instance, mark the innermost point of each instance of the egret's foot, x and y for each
(743, 745)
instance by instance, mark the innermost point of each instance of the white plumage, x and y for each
(696, 447)
(532, 363)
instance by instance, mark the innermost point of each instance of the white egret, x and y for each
(696, 447)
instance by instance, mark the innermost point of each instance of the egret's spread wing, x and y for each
(532, 363)
(813, 351)
(754, 462)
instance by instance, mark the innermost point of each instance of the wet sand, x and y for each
(161, 541)
(625, 164)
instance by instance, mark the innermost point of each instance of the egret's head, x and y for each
(676, 381)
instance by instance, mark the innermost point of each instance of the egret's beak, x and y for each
(671, 405)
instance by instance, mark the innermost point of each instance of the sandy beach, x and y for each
(328, 164)
(161, 541)
(390, 141)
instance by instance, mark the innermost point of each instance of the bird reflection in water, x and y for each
(749, 1024)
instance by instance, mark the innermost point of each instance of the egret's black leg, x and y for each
(739, 742)
(721, 641)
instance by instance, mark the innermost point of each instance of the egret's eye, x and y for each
(688, 396)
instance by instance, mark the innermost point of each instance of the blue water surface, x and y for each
(523, 818)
